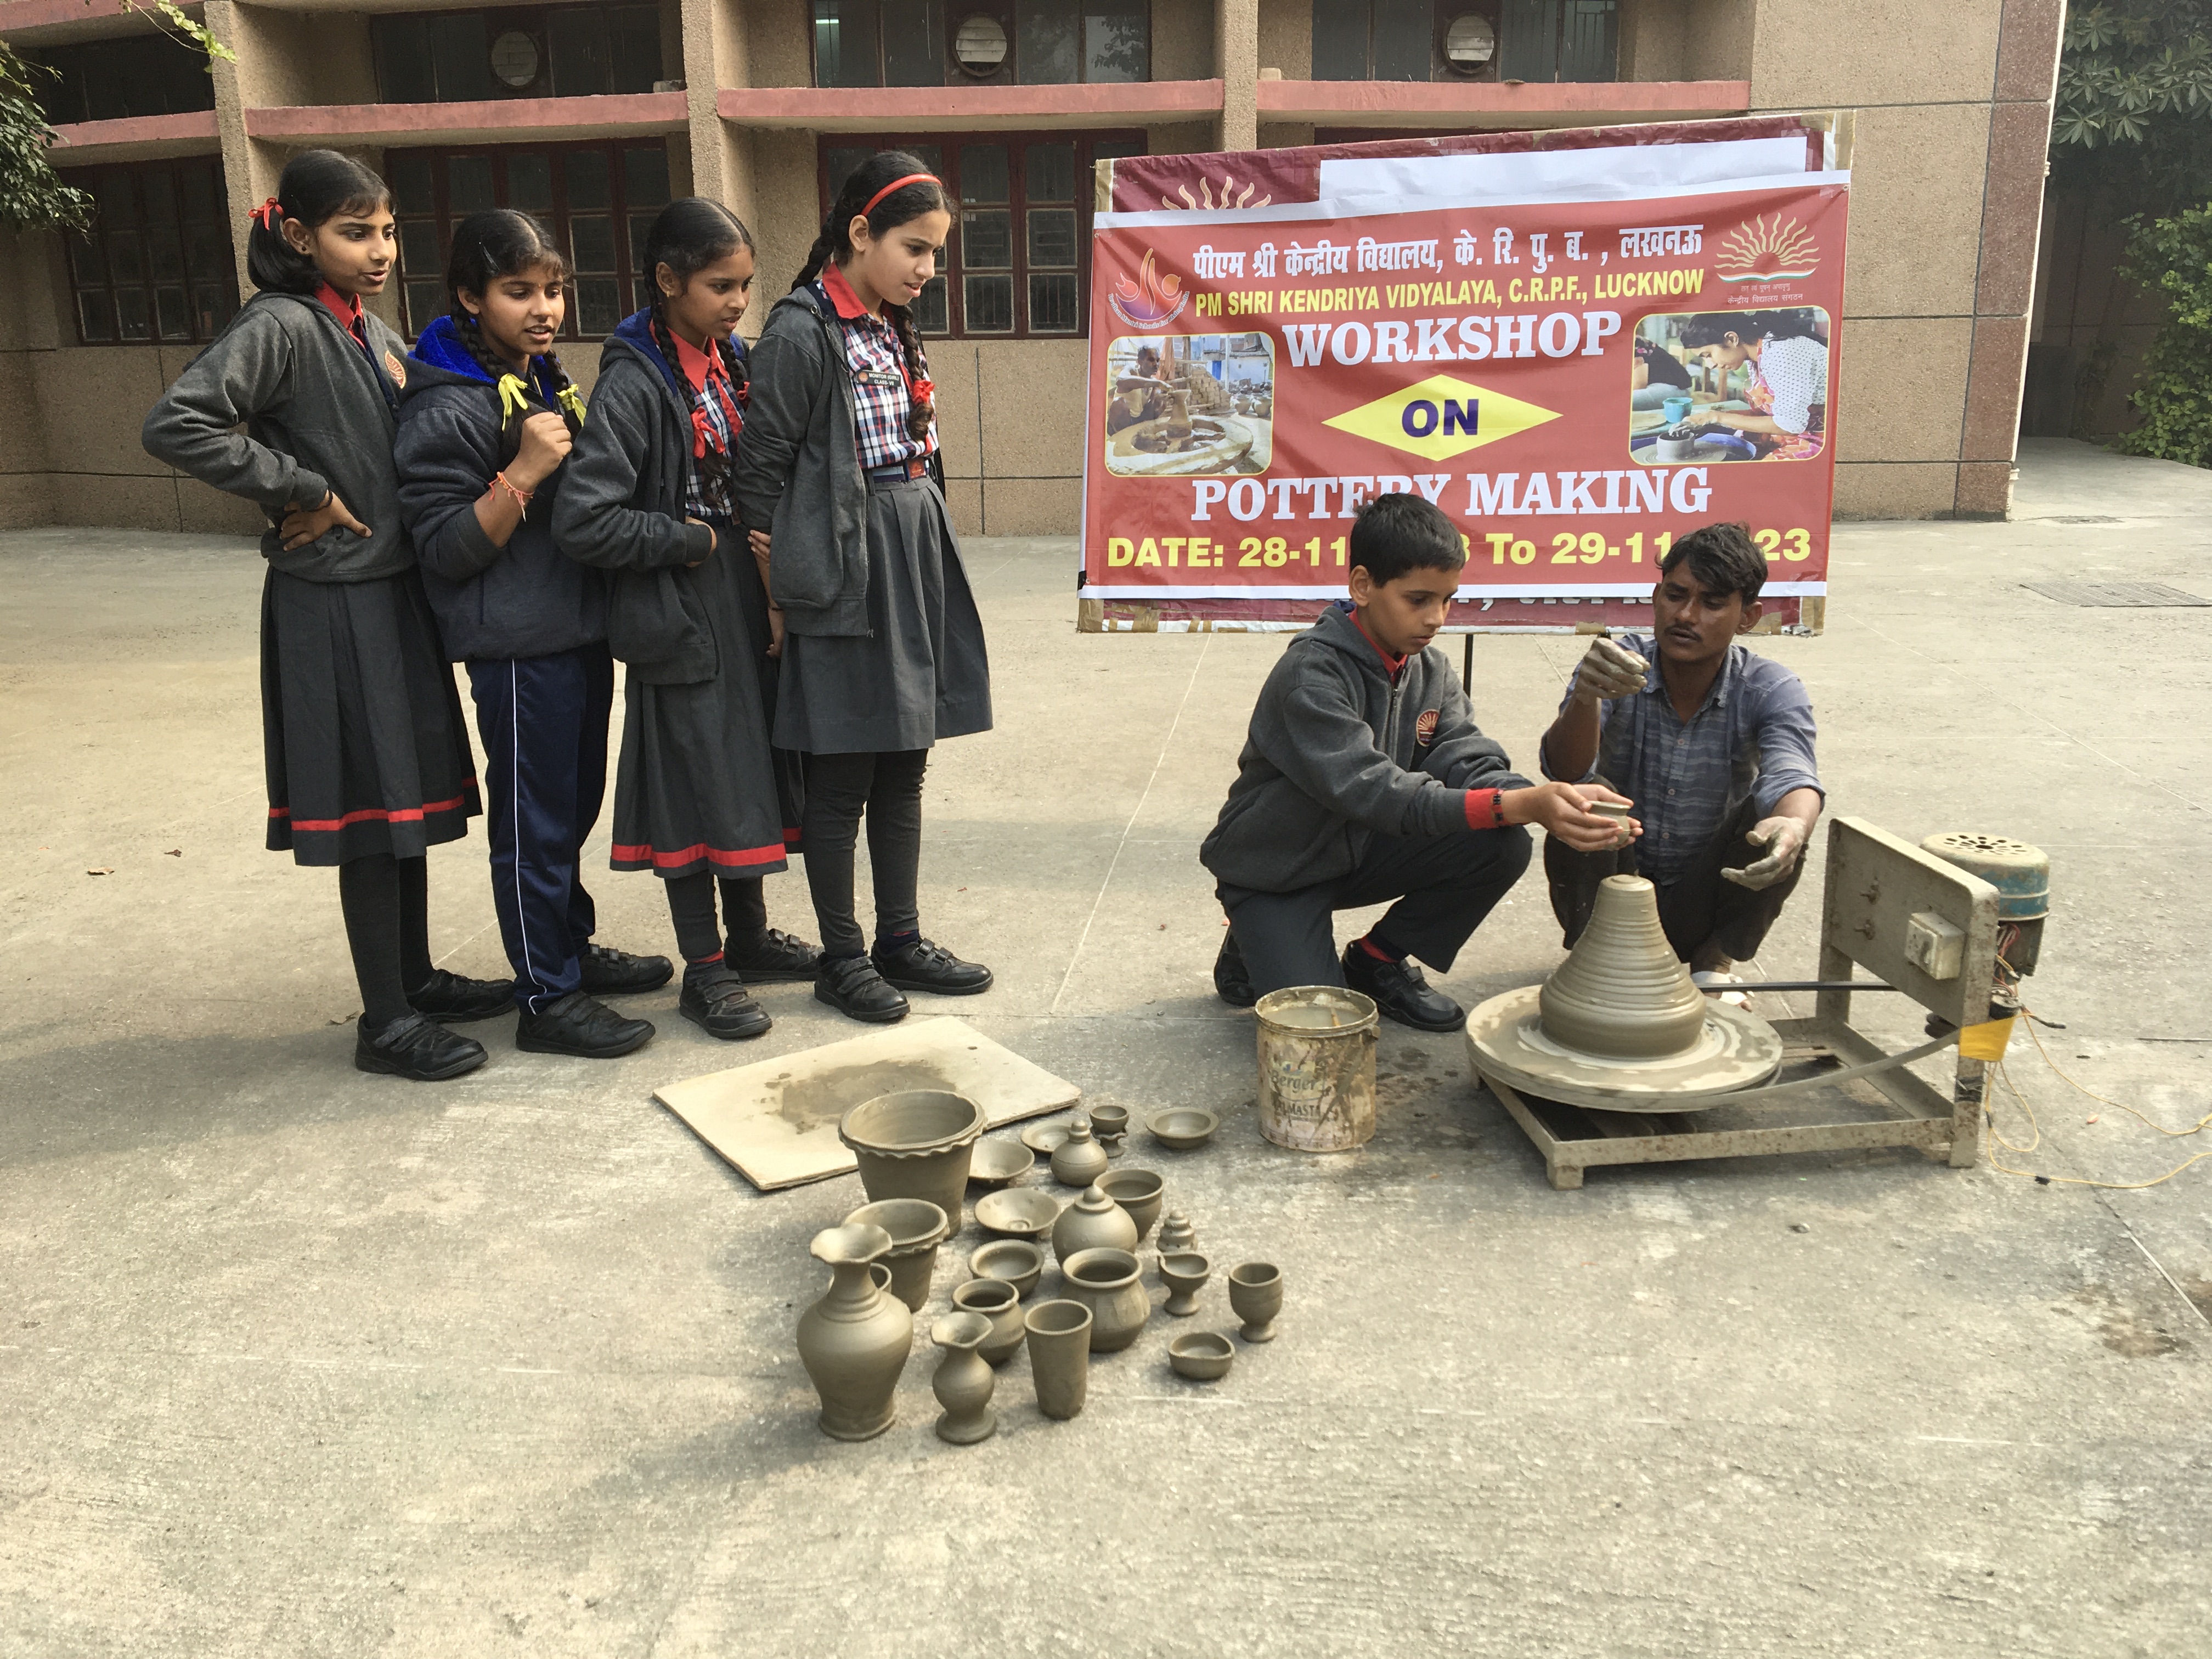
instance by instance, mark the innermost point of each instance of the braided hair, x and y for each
(487, 246)
(902, 206)
(689, 235)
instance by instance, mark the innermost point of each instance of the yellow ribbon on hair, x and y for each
(573, 401)
(514, 397)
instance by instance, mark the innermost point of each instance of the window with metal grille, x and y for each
(1016, 266)
(1559, 39)
(525, 52)
(1545, 40)
(919, 43)
(599, 200)
(156, 264)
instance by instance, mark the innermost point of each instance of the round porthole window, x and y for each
(980, 43)
(1469, 43)
(515, 59)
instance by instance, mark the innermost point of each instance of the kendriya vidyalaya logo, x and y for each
(1440, 417)
(1769, 249)
(1152, 301)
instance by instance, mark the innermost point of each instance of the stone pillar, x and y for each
(1236, 61)
(245, 183)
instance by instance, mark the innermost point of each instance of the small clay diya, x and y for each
(1017, 1211)
(996, 1162)
(1015, 1261)
(1111, 1125)
(1184, 1274)
(1202, 1356)
(1182, 1128)
(1044, 1139)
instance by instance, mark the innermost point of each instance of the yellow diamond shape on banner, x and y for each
(1440, 417)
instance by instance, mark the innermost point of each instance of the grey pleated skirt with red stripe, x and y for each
(697, 787)
(360, 725)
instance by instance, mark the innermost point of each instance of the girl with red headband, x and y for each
(883, 649)
(368, 761)
(700, 798)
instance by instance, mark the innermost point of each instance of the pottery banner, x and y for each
(1580, 353)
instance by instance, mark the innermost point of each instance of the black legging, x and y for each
(838, 786)
(692, 906)
(386, 901)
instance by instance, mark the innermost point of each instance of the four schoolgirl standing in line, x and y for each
(782, 679)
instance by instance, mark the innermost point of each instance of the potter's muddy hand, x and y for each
(1783, 839)
(1609, 671)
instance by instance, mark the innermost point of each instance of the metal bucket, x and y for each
(1317, 1067)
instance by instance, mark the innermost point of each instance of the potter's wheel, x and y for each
(1735, 1049)
(1217, 441)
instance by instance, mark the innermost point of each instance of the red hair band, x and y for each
(268, 213)
(899, 184)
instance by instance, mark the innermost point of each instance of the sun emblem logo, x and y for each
(1769, 249)
(1152, 301)
(1424, 729)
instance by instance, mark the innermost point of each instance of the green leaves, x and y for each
(2134, 108)
(2174, 392)
(32, 196)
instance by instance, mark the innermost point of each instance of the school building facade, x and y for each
(592, 115)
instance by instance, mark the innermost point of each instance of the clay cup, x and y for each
(1060, 1355)
(1255, 1291)
(1001, 1304)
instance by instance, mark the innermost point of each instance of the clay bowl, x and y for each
(1015, 1261)
(995, 1163)
(1044, 1139)
(916, 1142)
(1109, 1123)
(1017, 1211)
(1137, 1191)
(1182, 1128)
(917, 1227)
(1202, 1356)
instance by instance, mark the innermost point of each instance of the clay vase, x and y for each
(1176, 1234)
(853, 1342)
(1000, 1302)
(914, 1144)
(1079, 1160)
(916, 1227)
(1105, 1281)
(964, 1384)
(1185, 1275)
(1110, 1124)
(1093, 1222)
(1137, 1191)
(1255, 1291)
(1060, 1355)
(1622, 993)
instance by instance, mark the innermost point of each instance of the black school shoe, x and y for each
(921, 964)
(854, 988)
(577, 1024)
(415, 1048)
(453, 1001)
(1232, 983)
(611, 973)
(775, 957)
(715, 1001)
(1401, 992)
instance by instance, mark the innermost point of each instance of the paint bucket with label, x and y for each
(1317, 1067)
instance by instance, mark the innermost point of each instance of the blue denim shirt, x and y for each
(1751, 739)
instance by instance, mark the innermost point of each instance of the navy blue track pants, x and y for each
(543, 724)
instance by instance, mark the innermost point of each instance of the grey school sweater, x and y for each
(317, 418)
(1338, 754)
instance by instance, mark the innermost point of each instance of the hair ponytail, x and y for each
(864, 185)
(316, 186)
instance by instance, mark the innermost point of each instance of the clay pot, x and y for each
(1176, 1234)
(1060, 1355)
(1093, 1222)
(1110, 1124)
(914, 1144)
(1255, 1291)
(853, 1342)
(1185, 1274)
(1622, 993)
(1000, 1302)
(1079, 1160)
(995, 1163)
(1202, 1356)
(1137, 1191)
(1015, 1261)
(1619, 814)
(964, 1384)
(1180, 1128)
(916, 1227)
(1105, 1281)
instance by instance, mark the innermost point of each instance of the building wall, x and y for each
(1947, 146)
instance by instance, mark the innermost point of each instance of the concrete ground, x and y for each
(298, 1361)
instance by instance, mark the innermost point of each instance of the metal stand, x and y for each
(1877, 885)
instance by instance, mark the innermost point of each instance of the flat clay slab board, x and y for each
(777, 1120)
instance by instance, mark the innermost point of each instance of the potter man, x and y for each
(1364, 780)
(1711, 742)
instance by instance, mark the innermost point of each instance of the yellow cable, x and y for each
(2073, 1180)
